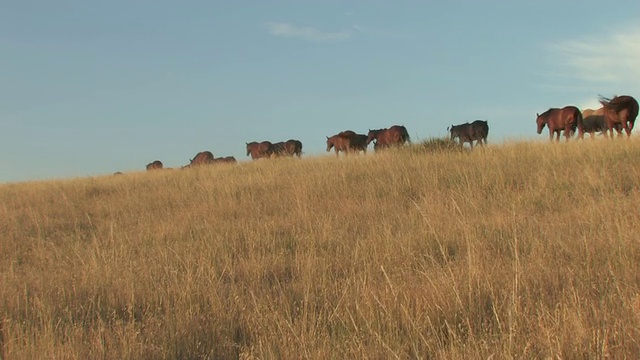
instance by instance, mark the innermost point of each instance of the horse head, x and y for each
(540, 122)
(329, 144)
(372, 135)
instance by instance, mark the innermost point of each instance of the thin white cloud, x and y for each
(611, 58)
(307, 33)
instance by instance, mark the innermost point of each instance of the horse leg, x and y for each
(627, 129)
(608, 132)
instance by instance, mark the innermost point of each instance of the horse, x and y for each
(290, 147)
(339, 142)
(593, 123)
(566, 119)
(293, 147)
(358, 142)
(477, 130)
(202, 158)
(156, 165)
(394, 136)
(224, 160)
(260, 150)
(621, 110)
(278, 148)
(588, 112)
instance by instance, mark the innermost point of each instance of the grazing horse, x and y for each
(202, 158)
(156, 165)
(259, 150)
(566, 119)
(393, 136)
(477, 130)
(621, 110)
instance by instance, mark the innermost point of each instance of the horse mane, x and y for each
(616, 103)
(548, 112)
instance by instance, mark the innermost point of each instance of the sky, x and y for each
(88, 88)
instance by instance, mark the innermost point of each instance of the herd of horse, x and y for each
(346, 141)
(617, 113)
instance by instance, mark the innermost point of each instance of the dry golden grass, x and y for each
(525, 250)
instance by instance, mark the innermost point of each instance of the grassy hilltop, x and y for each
(521, 250)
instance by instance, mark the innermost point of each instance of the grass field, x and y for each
(521, 250)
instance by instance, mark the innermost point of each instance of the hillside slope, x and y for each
(521, 250)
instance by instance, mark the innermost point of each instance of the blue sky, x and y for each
(89, 88)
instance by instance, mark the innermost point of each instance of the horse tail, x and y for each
(404, 136)
(579, 120)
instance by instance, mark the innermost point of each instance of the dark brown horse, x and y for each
(202, 158)
(595, 123)
(156, 165)
(293, 147)
(358, 142)
(476, 131)
(288, 148)
(393, 136)
(621, 110)
(557, 120)
(259, 150)
(278, 149)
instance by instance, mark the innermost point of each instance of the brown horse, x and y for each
(566, 119)
(278, 149)
(293, 147)
(621, 110)
(393, 136)
(477, 130)
(347, 141)
(358, 142)
(202, 158)
(224, 160)
(288, 148)
(589, 112)
(339, 142)
(259, 150)
(156, 165)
